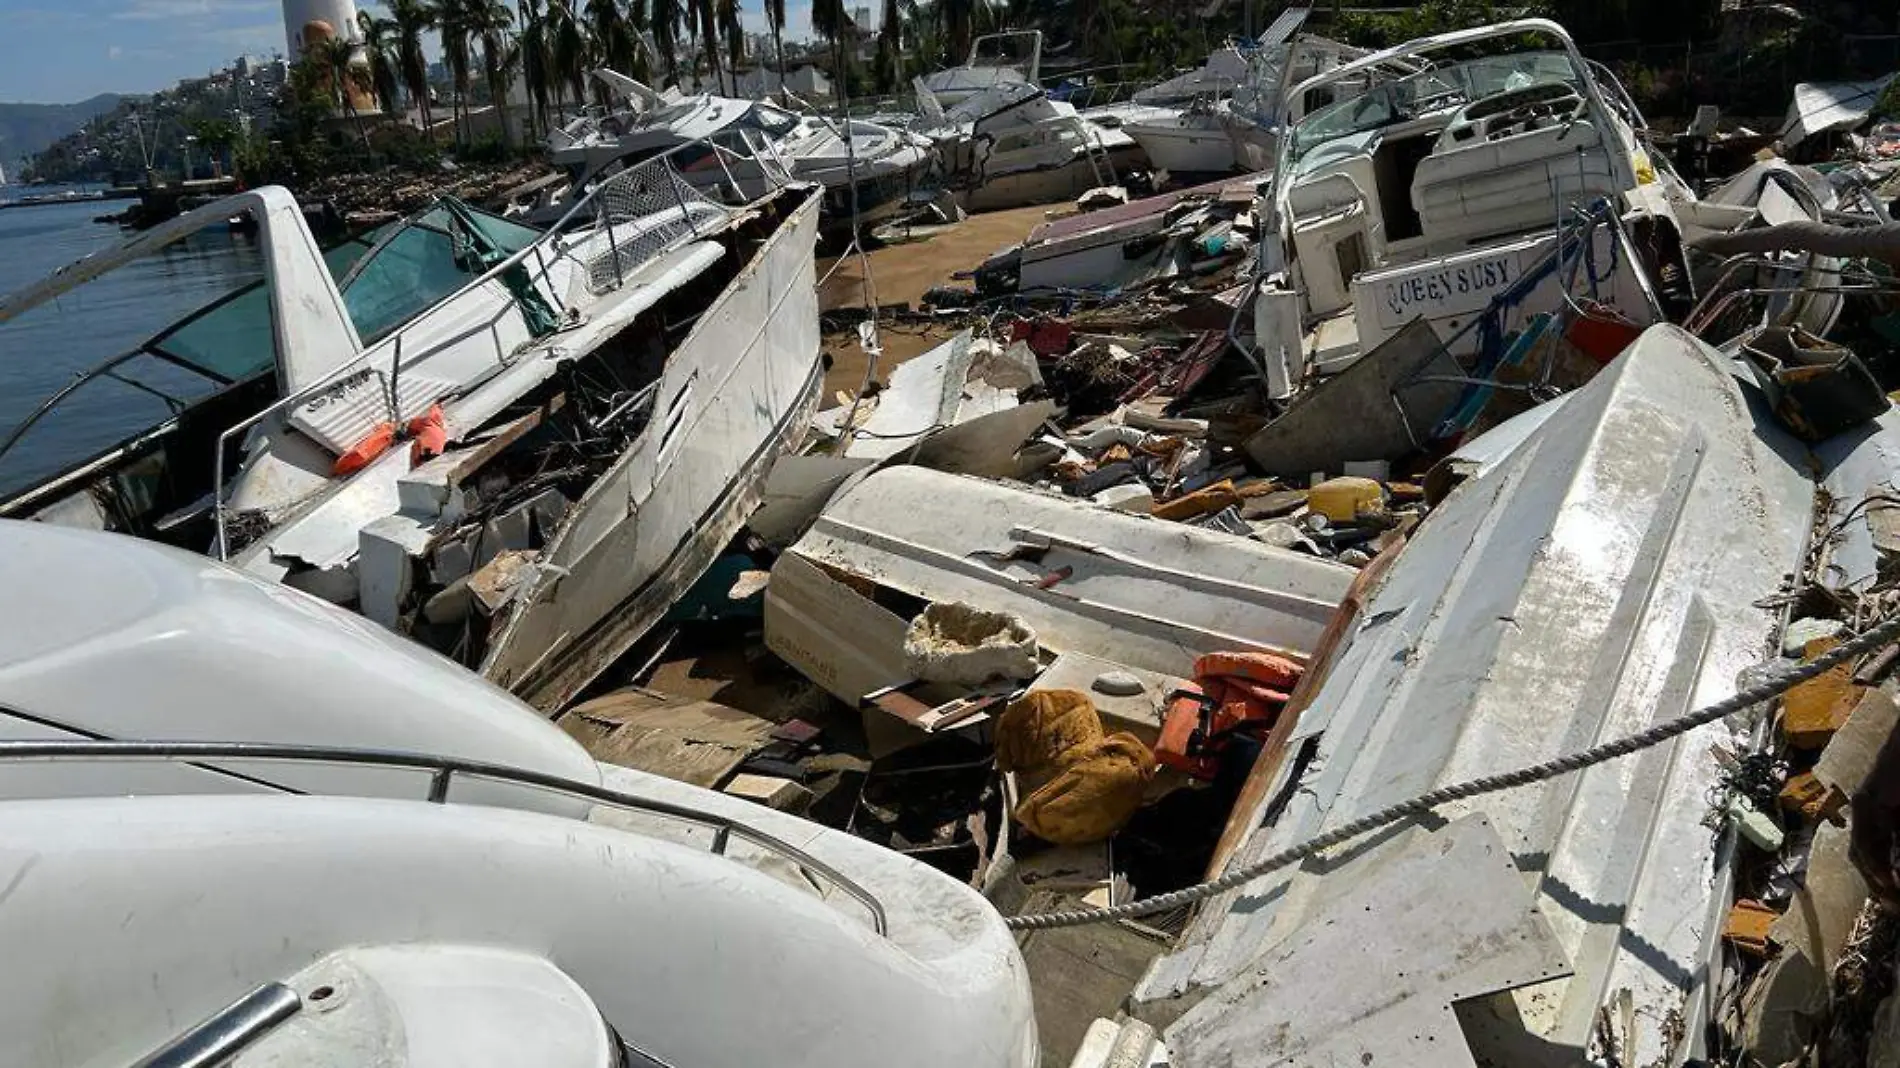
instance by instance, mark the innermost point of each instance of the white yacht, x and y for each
(1253, 115)
(864, 166)
(256, 830)
(996, 59)
(514, 446)
(1012, 145)
(1478, 194)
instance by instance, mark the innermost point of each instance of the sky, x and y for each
(62, 51)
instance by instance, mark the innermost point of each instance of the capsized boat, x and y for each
(1480, 194)
(1562, 595)
(516, 447)
(865, 167)
(315, 839)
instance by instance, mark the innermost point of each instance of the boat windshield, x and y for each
(425, 262)
(230, 340)
(1431, 90)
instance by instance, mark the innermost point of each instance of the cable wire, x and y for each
(1771, 687)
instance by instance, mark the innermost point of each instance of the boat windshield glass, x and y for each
(432, 257)
(776, 122)
(231, 339)
(1431, 90)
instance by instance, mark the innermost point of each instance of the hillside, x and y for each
(26, 129)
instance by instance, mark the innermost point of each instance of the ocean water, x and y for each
(43, 351)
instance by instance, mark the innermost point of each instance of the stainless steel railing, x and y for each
(442, 772)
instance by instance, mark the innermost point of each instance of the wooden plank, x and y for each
(700, 742)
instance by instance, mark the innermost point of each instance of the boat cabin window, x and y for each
(776, 122)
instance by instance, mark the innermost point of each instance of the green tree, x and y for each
(890, 49)
(665, 25)
(533, 49)
(380, 49)
(775, 18)
(567, 49)
(457, 23)
(501, 57)
(412, 19)
(830, 21)
(346, 77)
(733, 31)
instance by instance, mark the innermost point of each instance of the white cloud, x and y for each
(114, 52)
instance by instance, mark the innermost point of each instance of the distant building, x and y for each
(861, 18)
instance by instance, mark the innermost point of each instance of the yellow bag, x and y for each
(1037, 732)
(1093, 795)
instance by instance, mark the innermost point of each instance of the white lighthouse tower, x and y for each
(337, 16)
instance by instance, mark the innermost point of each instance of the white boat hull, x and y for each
(1188, 145)
(737, 392)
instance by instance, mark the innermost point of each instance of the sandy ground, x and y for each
(901, 273)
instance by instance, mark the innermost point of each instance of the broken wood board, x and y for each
(699, 742)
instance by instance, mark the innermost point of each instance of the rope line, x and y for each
(1771, 687)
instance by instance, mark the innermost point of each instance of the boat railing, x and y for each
(443, 772)
(669, 210)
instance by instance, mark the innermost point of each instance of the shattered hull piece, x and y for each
(1139, 591)
(739, 391)
(1601, 576)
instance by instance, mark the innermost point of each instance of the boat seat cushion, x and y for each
(1509, 185)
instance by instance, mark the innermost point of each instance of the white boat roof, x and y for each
(129, 639)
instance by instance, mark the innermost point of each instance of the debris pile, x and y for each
(1118, 590)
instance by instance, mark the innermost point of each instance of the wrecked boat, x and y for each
(349, 845)
(868, 170)
(1482, 195)
(1013, 57)
(1563, 594)
(515, 447)
(1012, 144)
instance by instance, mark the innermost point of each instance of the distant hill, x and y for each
(26, 129)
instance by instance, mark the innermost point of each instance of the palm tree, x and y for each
(729, 25)
(455, 24)
(960, 18)
(890, 49)
(829, 20)
(567, 49)
(412, 18)
(706, 31)
(533, 48)
(775, 18)
(336, 60)
(613, 37)
(501, 55)
(667, 17)
(379, 46)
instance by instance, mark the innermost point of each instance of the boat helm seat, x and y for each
(1502, 162)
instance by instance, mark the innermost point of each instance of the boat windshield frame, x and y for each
(1295, 144)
